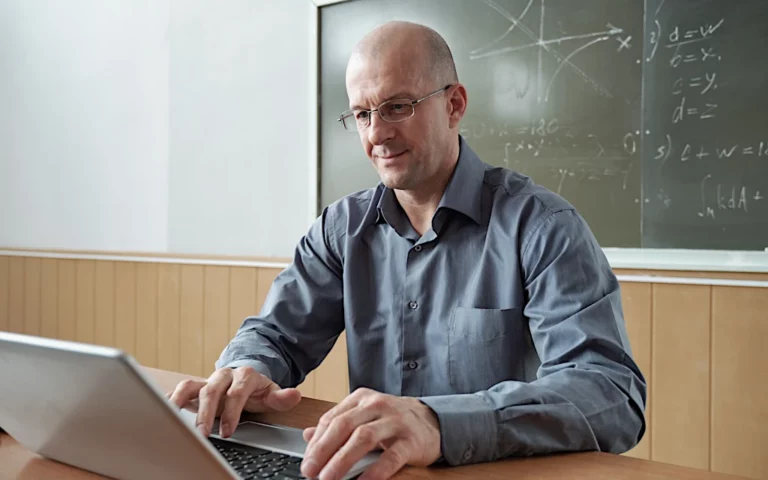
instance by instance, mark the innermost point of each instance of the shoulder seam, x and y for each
(532, 194)
(540, 225)
(332, 233)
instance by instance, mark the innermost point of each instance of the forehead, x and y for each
(369, 82)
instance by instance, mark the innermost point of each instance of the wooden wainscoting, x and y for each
(174, 316)
(699, 346)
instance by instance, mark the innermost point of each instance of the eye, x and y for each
(398, 107)
(361, 114)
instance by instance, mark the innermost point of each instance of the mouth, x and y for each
(391, 157)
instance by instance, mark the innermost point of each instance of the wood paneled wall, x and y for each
(699, 346)
(176, 317)
(701, 350)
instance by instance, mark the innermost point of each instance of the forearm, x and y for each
(300, 320)
(574, 409)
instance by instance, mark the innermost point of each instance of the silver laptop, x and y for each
(92, 407)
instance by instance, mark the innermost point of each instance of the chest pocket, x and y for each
(485, 347)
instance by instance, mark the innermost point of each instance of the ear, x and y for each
(457, 104)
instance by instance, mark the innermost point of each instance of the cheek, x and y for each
(366, 144)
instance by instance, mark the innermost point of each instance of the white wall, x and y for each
(154, 125)
(83, 124)
(238, 133)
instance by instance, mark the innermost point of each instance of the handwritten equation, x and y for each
(694, 90)
(547, 137)
(566, 152)
(690, 36)
(717, 198)
(688, 151)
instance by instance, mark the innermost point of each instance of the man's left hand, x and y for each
(405, 429)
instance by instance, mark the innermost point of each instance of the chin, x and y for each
(396, 183)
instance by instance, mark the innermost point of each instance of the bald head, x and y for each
(416, 48)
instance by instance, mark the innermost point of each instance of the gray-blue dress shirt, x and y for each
(504, 318)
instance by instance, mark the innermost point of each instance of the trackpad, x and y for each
(271, 437)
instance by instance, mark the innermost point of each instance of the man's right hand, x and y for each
(228, 392)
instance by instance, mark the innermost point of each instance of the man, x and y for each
(482, 318)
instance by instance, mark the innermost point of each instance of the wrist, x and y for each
(432, 420)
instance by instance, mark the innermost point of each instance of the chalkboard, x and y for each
(649, 117)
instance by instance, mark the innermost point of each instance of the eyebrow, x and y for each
(397, 96)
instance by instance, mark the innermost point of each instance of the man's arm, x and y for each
(302, 315)
(589, 394)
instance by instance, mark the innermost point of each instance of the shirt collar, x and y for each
(462, 194)
(464, 191)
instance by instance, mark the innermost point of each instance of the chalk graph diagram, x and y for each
(548, 46)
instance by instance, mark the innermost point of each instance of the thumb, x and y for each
(283, 399)
(308, 433)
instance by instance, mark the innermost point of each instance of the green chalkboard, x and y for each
(606, 102)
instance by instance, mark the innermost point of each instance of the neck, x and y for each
(420, 205)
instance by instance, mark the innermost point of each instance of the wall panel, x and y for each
(32, 295)
(636, 300)
(680, 374)
(740, 381)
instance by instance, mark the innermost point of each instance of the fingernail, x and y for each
(201, 429)
(224, 429)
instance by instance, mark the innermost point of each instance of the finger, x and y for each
(334, 437)
(186, 391)
(210, 398)
(345, 405)
(392, 460)
(307, 433)
(245, 383)
(365, 438)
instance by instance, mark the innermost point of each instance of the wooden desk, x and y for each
(18, 463)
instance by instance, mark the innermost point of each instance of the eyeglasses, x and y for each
(392, 111)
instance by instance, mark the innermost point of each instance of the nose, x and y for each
(379, 131)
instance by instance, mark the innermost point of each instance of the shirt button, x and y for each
(413, 305)
(413, 365)
(417, 248)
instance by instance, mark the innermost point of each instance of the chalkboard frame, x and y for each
(619, 258)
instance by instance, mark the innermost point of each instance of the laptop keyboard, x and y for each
(256, 463)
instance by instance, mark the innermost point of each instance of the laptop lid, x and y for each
(93, 408)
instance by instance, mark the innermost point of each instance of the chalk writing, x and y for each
(684, 111)
(706, 55)
(693, 35)
(720, 198)
(655, 35)
(690, 152)
(706, 83)
(624, 43)
(547, 45)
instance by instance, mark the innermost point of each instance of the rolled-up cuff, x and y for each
(467, 428)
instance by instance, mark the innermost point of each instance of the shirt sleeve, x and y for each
(589, 394)
(302, 315)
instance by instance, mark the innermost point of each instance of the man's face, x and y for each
(406, 154)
